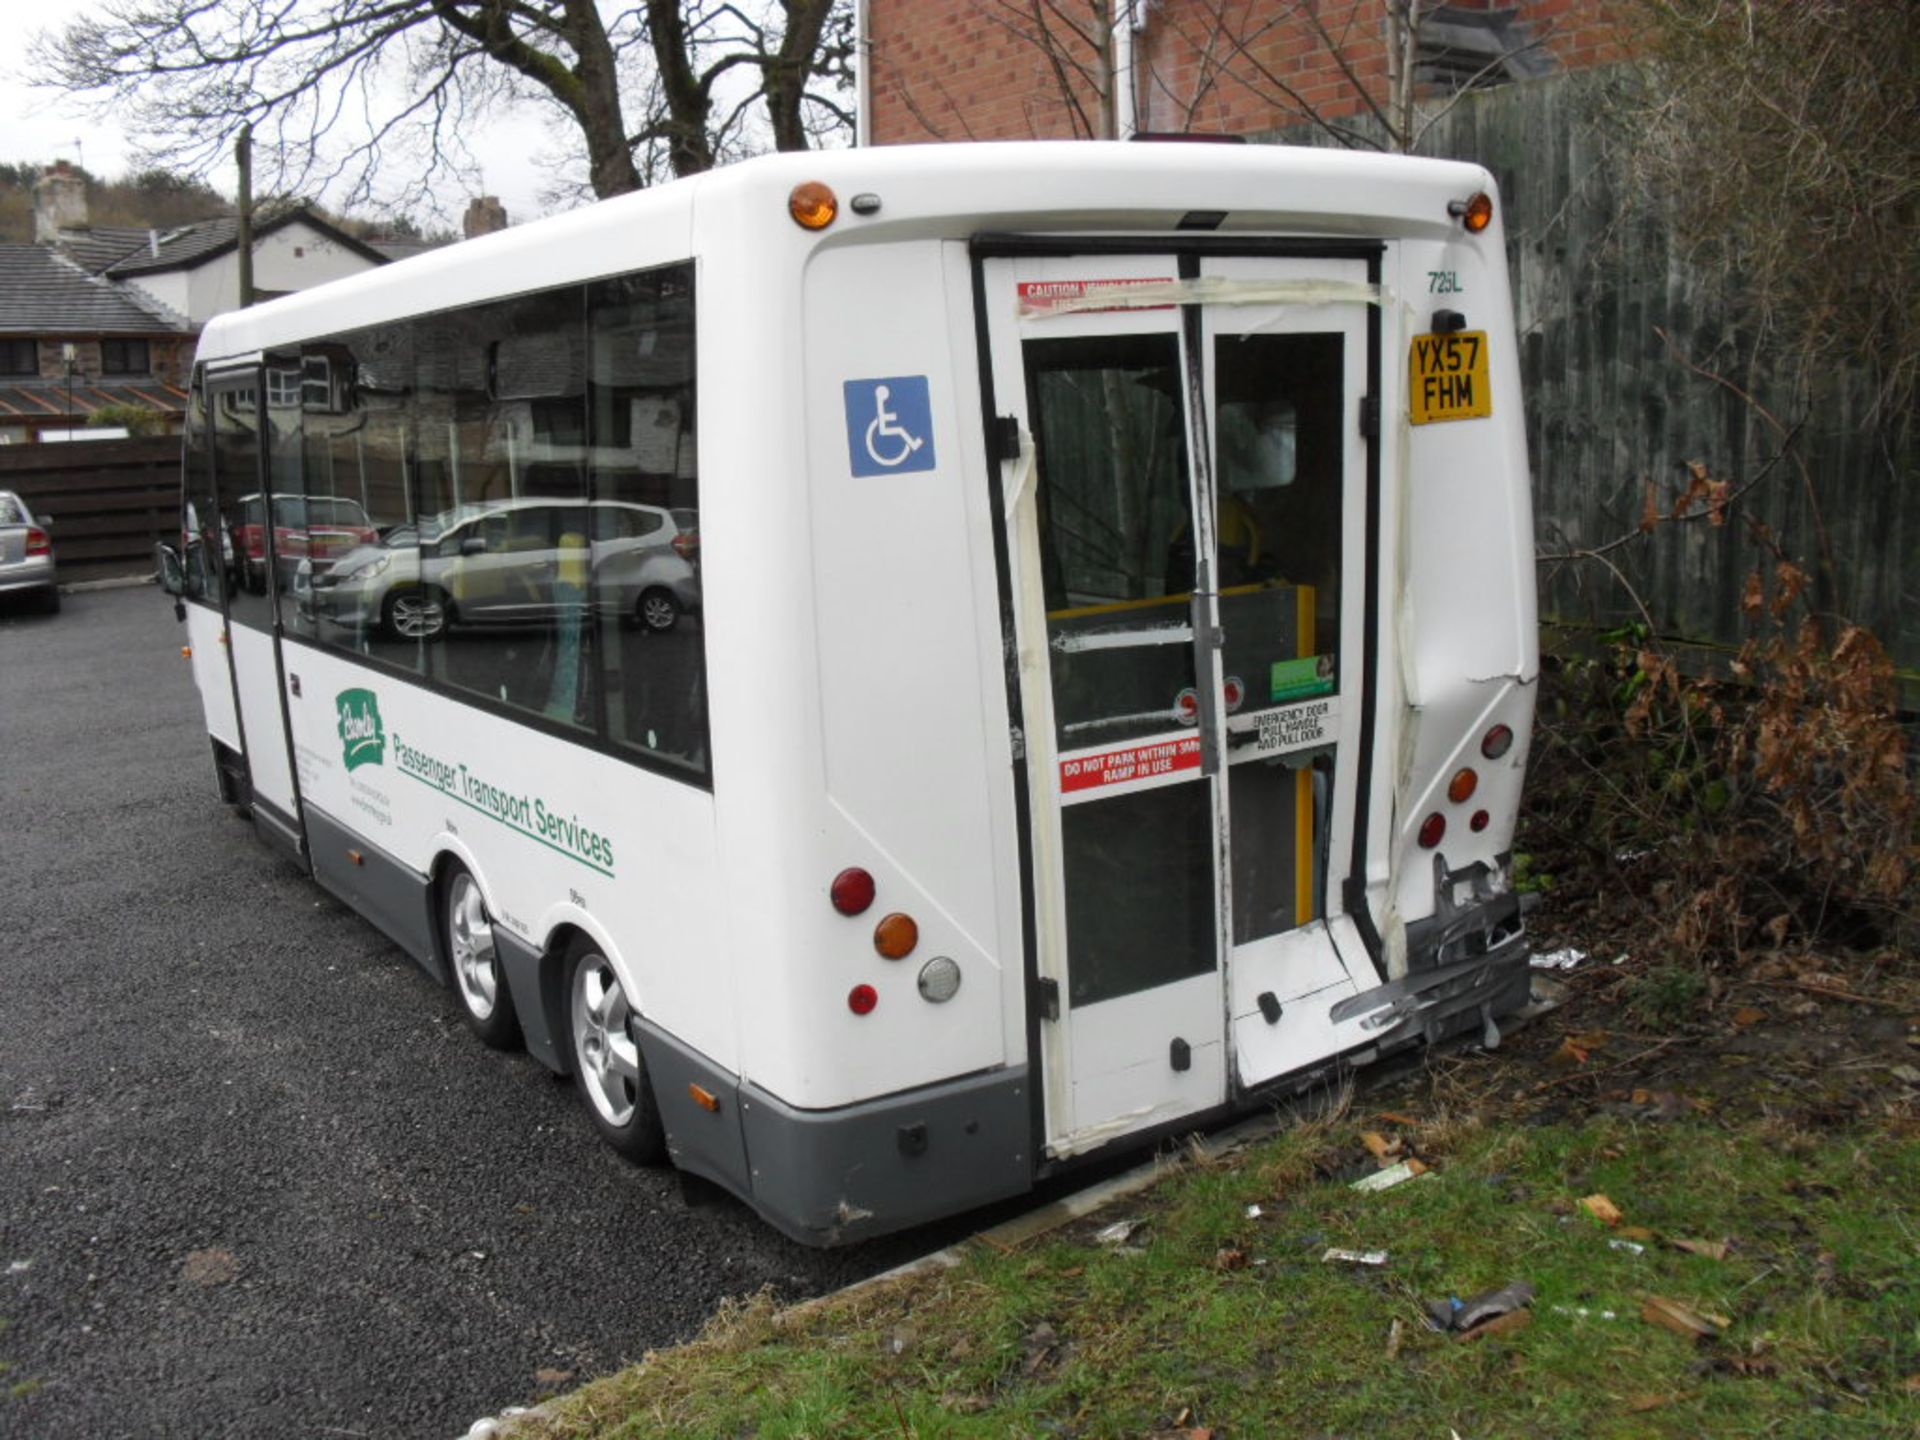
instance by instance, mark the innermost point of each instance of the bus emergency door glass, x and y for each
(1280, 465)
(202, 566)
(243, 507)
(1115, 517)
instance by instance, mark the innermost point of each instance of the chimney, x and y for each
(59, 203)
(484, 216)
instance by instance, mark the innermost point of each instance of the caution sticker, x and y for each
(1134, 762)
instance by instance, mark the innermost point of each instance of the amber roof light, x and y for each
(812, 205)
(1476, 214)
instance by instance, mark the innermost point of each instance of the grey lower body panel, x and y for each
(525, 968)
(398, 900)
(827, 1177)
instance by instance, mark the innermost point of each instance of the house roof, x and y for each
(42, 291)
(43, 400)
(190, 245)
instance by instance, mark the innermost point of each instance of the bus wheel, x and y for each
(658, 610)
(606, 1059)
(467, 931)
(415, 614)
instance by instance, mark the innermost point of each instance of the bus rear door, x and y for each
(1187, 533)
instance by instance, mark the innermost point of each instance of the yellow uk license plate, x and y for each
(1449, 377)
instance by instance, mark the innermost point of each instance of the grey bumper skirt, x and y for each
(827, 1177)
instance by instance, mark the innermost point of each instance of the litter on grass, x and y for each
(1391, 1176)
(1460, 1316)
(1565, 959)
(1696, 1325)
(1337, 1256)
(1119, 1232)
(1631, 1247)
(1602, 1209)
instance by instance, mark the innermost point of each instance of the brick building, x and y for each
(1006, 70)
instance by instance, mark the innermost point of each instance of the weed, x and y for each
(1666, 996)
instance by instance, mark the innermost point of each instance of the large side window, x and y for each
(499, 405)
(364, 590)
(504, 500)
(646, 532)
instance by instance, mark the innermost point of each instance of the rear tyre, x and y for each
(466, 930)
(658, 610)
(607, 1065)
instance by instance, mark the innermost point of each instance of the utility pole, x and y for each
(243, 156)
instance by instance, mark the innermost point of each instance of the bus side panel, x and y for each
(904, 605)
(555, 833)
(1465, 612)
(207, 639)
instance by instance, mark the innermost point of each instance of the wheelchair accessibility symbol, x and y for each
(889, 425)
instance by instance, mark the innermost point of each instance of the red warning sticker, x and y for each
(1136, 762)
(1044, 297)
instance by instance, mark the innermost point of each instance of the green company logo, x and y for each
(363, 739)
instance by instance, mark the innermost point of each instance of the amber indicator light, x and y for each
(704, 1098)
(1476, 214)
(895, 936)
(1461, 788)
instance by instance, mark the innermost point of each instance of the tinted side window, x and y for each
(499, 406)
(363, 589)
(646, 588)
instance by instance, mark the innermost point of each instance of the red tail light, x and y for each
(1432, 829)
(686, 543)
(862, 998)
(37, 541)
(1479, 822)
(1496, 742)
(851, 891)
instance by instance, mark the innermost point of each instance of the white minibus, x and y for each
(900, 669)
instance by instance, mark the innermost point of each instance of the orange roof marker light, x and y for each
(812, 205)
(1476, 214)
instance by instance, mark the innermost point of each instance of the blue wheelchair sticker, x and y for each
(889, 425)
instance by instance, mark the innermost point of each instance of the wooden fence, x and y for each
(1634, 367)
(109, 500)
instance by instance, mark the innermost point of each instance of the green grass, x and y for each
(1067, 1338)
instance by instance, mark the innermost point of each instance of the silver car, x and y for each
(26, 554)
(505, 564)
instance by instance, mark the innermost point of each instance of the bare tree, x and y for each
(350, 90)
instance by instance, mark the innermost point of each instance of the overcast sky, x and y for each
(39, 127)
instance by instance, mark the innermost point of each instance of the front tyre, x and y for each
(474, 959)
(606, 1059)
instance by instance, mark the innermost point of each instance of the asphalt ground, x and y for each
(256, 1177)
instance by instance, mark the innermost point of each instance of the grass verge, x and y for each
(1214, 1322)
